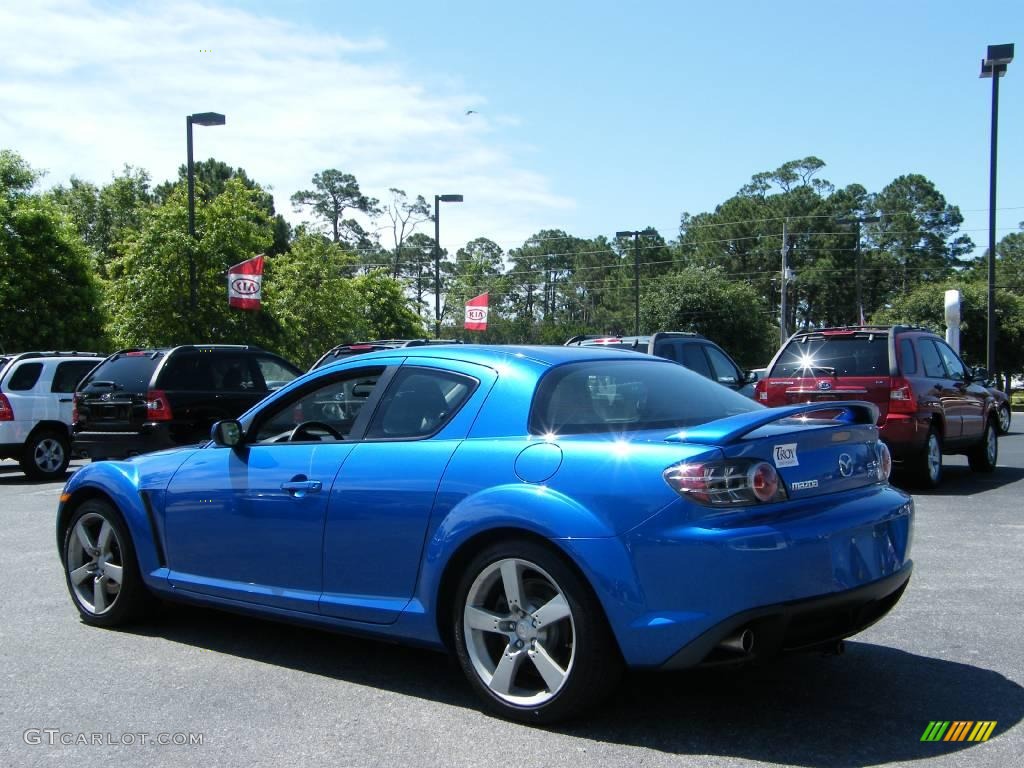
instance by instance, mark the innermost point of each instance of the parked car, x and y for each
(696, 352)
(345, 351)
(549, 513)
(141, 400)
(36, 391)
(929, 402)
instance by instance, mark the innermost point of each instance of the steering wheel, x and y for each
(304, 430)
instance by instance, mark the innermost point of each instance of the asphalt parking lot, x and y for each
(258, 693)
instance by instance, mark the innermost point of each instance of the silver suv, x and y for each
(36, 404)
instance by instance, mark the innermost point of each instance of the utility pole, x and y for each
(860, 290)
(636, 276)
(783, 333)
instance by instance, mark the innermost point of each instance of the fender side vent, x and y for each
(157, 540)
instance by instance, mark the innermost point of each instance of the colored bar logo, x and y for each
(959, 730)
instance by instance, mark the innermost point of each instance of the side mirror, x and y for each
(751, 377)
(227, 433)
(980, 373)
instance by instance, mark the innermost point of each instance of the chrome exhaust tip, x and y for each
(741, 642)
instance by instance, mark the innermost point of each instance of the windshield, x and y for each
(627, 395)
(847, 355)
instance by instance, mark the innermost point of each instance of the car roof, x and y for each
(493, 355)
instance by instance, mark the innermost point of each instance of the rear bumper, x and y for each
(904, 434)
(121, 445)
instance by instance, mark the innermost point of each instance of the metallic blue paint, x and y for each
(368, 552)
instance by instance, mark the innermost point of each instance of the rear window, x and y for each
(853, 355)
(67, 375)
(627, 395)
(128, 372)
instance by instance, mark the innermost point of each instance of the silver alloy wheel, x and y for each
(94, 563)
(48, 454)
(991, 446)
(519, 630)
(1004, 419)
(934, 457)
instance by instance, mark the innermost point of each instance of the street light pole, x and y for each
(635, 234)
(199, 118)
(438, 199)
(994, 66)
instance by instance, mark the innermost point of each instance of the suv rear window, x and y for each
(126, 372)
(627, 395)
(847, 355)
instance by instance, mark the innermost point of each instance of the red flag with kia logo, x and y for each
(245, 284)
(476, 313)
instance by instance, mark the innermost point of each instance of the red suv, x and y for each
(929, 402)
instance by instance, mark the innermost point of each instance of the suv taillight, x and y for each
(761, 390)
(6, 412)
(901, 396)
(74, 408)
(732, 483)
(157, 406)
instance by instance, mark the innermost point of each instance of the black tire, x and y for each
(984, 456)
(927, 465)
(46, 455)
(131, 600)
(1003, 424)
(594, 662)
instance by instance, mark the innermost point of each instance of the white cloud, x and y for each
(87, 88)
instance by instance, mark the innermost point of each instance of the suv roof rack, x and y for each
(54, 353)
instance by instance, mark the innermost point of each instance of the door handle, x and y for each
(65, 399)
(302, 486)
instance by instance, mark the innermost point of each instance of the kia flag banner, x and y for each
(245, 284)
(476, 313)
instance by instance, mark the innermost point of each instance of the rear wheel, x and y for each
(530, 635)
(100, 567)
(984, 455)
(928, 463)
(1004, 419)
(47, 454)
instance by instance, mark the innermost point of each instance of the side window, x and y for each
(908, 360)
(956, 369)
(335, 401)
(694, 359)
(186, 371)
(667, 349)
(232, 374)
(724, 368)
(24, 377)
(419, 402)
(930, 360)
(69, 374)
(274, 374)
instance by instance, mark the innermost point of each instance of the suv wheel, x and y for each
(928, 465)
(984, 455)
(46, 455)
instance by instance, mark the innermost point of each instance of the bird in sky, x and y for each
(470, 111)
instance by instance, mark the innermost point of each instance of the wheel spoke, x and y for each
(103, 540)
(81, 574)
(553, 674)
(505, 673)
(99, 596)
(83, 537)
(485, 621)
(113, 572)
(553, 610)
(511, 580)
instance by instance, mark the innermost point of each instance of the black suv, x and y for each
(344, 351)
(140, 400)
(692, 350)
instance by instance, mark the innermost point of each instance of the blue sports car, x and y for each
(551, 514)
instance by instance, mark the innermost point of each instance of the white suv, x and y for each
(37, 391)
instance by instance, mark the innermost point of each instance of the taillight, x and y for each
(74, 408)
(901, 396)
(6, 412)
(761, 390)
(157, 406)
(884, 461)
(726, 483)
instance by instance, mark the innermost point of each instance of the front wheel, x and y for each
(1004, 419)
(100, 567)
(983, 457)
(531, 636)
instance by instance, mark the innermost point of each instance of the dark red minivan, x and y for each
(929, 402)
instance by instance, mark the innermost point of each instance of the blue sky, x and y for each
(592, 116)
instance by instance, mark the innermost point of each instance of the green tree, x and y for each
(705, 300)
(383, 308)
(49, 297)
(334, 193)
(405, 216)
(148, 293)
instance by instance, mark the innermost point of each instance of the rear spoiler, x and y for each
(733, 428)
